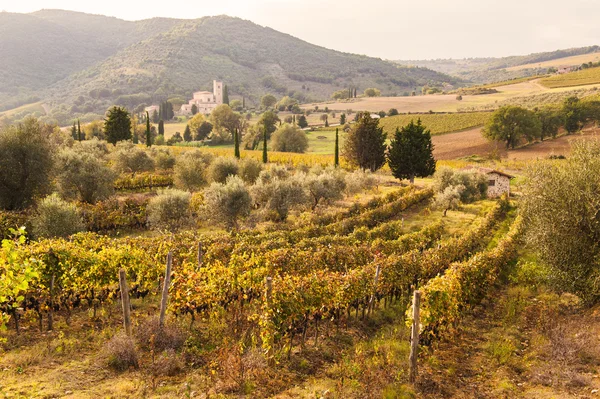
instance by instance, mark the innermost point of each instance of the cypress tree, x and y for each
(117, 125)
(187, 134)
(411, 152)
(336, 159)
(148, 136)
(225, 95)
(365, 145)
(161, 127)
(78, 130)
(74, 131)
(265, 158)
(244, 102)
(236, 139)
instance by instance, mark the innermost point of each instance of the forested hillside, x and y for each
(85, 63)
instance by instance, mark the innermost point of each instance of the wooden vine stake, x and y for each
(414, 337)
(51, 307)
(125, 302)
(165, 292)
(372, 299)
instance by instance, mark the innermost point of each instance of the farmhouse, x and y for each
(205, 101)
(498, 182)
(151, 109)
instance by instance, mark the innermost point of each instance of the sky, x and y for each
(389, 29)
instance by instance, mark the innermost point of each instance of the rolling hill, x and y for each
(85, 63)
(487, 70)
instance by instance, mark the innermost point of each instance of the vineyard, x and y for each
(579, 78)
(276, 290)
(437, 123)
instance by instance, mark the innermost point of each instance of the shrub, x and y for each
(190, 170)
(474, 183)
(327, 186)
(94, 146)
(151, 335)
(160, 140)
(275, 171)
(120, 353)
(25, 164)
(83, 176)
(169, 209)
(227, 203)
(55, 217)
(163, 158)
(221, 168)
(276, 196)
(360, 180)
(250, 169)
(289, 138)
(449, 198)
(131, 159)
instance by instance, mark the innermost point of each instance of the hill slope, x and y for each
(486, 70)
(89, 62)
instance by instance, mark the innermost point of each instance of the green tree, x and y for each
(236, 143)
(25, 164)
(302, 122)
(574, 115)
(187, 134)
(148, 134)
(55, 217)
(336, 156)
(117, 125)
(550, 122)
(392, 112)
(79, 138)
(194, 109)
(74, 131)
(267, 101)
(289, 138)
(225, 95)
(204, 130)
(365, 144)
(371, 92)
(512, 124)
(161, 127)
(265, 159)
(225, 119)
(411, 152)
(342, 119)
(155, 116)
(268, 120)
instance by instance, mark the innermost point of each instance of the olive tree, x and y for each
(55, 217)
(323, 187)
(289, 138)
(275, 197)
(129, 158)
(223, 167)
(25, 164)
(562, 213)
(81, 175)
(190, 170)
(227, 203)
(169, 210)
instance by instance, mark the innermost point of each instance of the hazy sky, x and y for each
(393, 29)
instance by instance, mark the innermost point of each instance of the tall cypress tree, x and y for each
(336, 159)
(365, 145)
(187, 134)
(411, 152)
(148, 136)
(236, 143)
(225, 95)
(74, 131)
(161, 127)
(117, 125)
(265, 158)
(78, 130)
(244, 102)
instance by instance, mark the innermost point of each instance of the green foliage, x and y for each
(265, 158)
(56, 218)
(550, 120)
(190, 170)
(561, 212)
(227, 203)
(323, 187)
(25, 164)
(129, 158)
(438, 123)
(512, 125)
(224, 119)
(302, 122)
(161, 128)
(289, 138)
(472, 185)
(267, 101)
(276, 196)
(148, 133)
(236, 144)
(250, 169)
(410, 153)
(82, 175)
(187, 134)
(117, 125)
(221, 168)
(365, 144)
(169, 209)
(336, 151)
(163, 158)
(573, 113)
(372, 92)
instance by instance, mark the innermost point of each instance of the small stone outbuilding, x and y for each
(498, 182)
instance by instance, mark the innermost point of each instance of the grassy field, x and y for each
(437, 123)
(578, 78)
(566, 61)
(34, 107)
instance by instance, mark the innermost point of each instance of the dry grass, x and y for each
(566, 61)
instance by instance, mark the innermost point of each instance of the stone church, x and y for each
(205, 100)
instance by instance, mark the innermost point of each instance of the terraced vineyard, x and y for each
(437, 123)
(578, 78)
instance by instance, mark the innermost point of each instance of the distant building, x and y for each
(151, 109)
(205, 101)
(566, 69)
